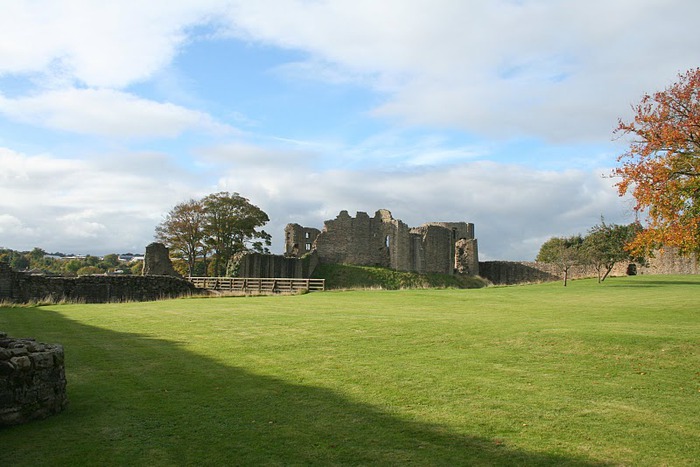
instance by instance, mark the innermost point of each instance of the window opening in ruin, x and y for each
(308, 247)
(307, 235)
(387, 241)
(454, 233)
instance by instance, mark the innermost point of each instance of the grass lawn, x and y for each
(531, 375)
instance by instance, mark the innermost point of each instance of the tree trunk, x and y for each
(607, 272)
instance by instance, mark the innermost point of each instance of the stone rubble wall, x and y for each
(387, 242)
(436, 249)
(21, 287)
(357, 240)
(32, 380)
(156, 261)
(259, 265)
(668, 261)
(299, 240)
(467, 256)
(524, 272)
(521, 272)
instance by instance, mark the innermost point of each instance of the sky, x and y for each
(499, 113)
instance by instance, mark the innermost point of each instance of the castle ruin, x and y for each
(434, 247)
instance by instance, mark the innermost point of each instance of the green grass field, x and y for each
(533, 375)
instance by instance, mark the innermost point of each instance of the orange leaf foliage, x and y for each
(661, 167)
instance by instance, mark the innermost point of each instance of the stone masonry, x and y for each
(299, 240)
(157, 262)
(277, 266)
(20, 287)
(32, 380)
(666, 261)
(436, 247)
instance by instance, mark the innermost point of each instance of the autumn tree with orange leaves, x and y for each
(661, 167)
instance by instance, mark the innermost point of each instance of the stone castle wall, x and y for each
(436, 250)
(22, 287)
(514, 272)
(467, 256)
(299, 240)
(668, 261)
(263, 265)
(524, 272)
(359, 240)
(32, 380)
(437, 247)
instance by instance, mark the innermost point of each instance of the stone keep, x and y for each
(435, 247)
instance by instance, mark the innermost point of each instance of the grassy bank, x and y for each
(533, 375)
(346, 276)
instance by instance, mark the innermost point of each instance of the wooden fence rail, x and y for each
(267, 285)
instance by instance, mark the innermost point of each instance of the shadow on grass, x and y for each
(136, 400)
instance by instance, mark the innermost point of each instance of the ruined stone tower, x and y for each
(435, 247)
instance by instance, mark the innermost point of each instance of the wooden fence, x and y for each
(247, 284)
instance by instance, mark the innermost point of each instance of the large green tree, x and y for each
(231, 226)
(182, 231)
(562, 252)
(661, 167)
(223, 223)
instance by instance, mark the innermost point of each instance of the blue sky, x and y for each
(499, 113)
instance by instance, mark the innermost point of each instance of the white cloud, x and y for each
(11, 225)
(107, 112)
(246, 156)
(80, 225)
(559, 70)
(94, 207)
(101, 44)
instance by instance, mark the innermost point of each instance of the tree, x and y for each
(230, 227)
(72, 266)
(109, 262)
(37, 254)
(19, 262)
(661, 167)
(563, 252)
(224, 223)
(15, 259)
(90, 260)
(606, 245)
(183, 232)
(136, 268)
(89, 270)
